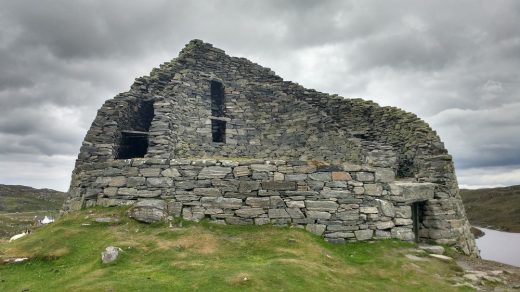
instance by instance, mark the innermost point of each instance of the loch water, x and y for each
(500, 246)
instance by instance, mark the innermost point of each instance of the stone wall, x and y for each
(266, 118)
(340, 202)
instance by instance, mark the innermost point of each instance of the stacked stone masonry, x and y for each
(344, 168)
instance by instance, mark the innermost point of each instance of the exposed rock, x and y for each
(148, 211)
(435, 249)
(110, 254)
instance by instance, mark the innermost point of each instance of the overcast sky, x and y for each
(453, 63)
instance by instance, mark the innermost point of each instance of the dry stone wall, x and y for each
(268, 119)
(340, 202)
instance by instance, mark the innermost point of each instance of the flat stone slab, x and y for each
(441, 257)
(411, 192)
(435, 249)
(415, 258)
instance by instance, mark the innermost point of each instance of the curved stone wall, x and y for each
(266, 118)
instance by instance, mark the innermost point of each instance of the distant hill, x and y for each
(19, 205)
(498, 208)
(15, 198)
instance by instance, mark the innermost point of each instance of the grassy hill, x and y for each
(19, 205)
(65, 256)
(498, 208)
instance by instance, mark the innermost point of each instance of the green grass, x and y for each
(498, 208)
(65, 256)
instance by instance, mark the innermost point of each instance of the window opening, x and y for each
(218, 127)
(133, 144)
(134, 141)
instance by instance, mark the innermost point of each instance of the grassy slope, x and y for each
(203, 256)
(498, 207)
(19, 205)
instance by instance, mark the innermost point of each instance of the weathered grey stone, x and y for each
(348, 215)
(148, 193)
(342, 228)
(258, 202)
(150, 172)
(148, 211)
(263, 167)
(110, 254)
(339, 235)
(321, 205)
(261, 221)
(335, 194)
(174, 208)
(318, 215)
(373, 189)
(159, 182)
(241, 171)
(278, 213)
(295, 213)
(364, 234)
(359, 190)
(192, 184)
(229, 203)
(340, 176)
(117, 181)
(276, 202)
(403, 233)
(384, 225)
(135, 181)
(403, 212)
(127, 191)
(320, 176)
(317, 229)
(214, 172)
(304, 168)
(171, 172)
(209, 192)
(249, 212)
(387, 208)
(412, 192)
(295, 177)
(381, 234)
(278, 176)
(384, 175)
(110, 191)
(295, 204)
(368, 210)
(248, 186)
(403, 221)
(279, 185)
(435, 249)
(365, 176)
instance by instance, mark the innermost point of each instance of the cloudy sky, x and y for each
(454, 63)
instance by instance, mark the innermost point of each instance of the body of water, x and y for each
(500, 246)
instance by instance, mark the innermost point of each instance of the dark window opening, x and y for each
(218, 131)
(217, 99)
(218, 127)
(144, 116)
(133, 144)
(417, 218)
(134, 137)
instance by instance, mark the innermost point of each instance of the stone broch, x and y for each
(211, 136)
